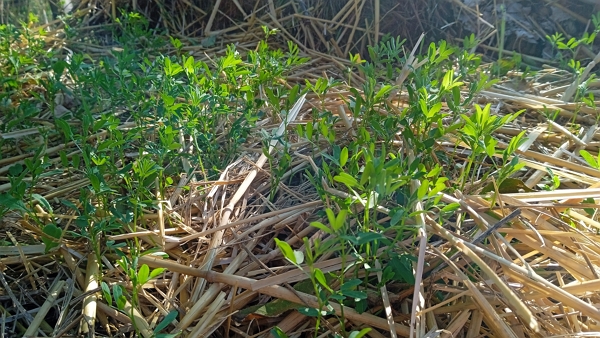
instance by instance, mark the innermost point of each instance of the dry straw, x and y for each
(537, 275)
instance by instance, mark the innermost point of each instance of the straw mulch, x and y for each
(539, 278)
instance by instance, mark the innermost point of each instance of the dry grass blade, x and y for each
(274, 291)
(417, 322)
(88, 319)
(37, 321)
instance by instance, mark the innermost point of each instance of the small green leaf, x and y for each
(508, 186)
(396, 216)
(367, 172)
(346, 179)
(53, 235)
(351, 284)
(309, 130)
(156, 272)
(343, 156)
(11, 203)
(106, 293)
(321, 227)
(366, 237)
(299, 257)
(189, 65)
(361, 306)
(359, 334)
(403, 270)
(119, 297)
(330, 217)
(490, 147)
(422, 192)
(451, 207)
(15, 169)
(308, 311)
(65, 128)
(286, 250)
(388, 275)
(278, 333)
(589, 211)
(166, 321)
(589, 159)
(76, 159)
(350, 238)
(43, 202)
(356, 295)
(439, 186)
(340, 220)
(142, 276)
(320, 277)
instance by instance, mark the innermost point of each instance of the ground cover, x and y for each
(159, 190)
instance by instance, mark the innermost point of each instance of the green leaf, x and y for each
(330, 217)
(397, 216)
(508, 186)
(189, 65)
(119, 297)
(434, 109)
(106, 293)
(15, 169)
(308, 311)
(166, 321)
(356, 295)
(65, 128)
(359, 334)
(366, 237)
(343, 156)
(321, 227)
(346, 179)
(388, 275)
(350, 238)
(451, 207)
(278, 333)
(142, 276)
(309, 130)
(175, 42)
(76, 159)
(53, 235)
(43, 202)
(11, 203)
(350, 284)
(385, 90)
(299, 256)
(402, 267)
(64, 161)
(589, 211)
(156, 272)
(286, 250)
(490, 147)
(361, 306)
(367, 172)
(422, 192)
(439, 186)
(320, 277)
(456, 96)
(59, 66)
(423, 105)
(340, 220)
(589, 159)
